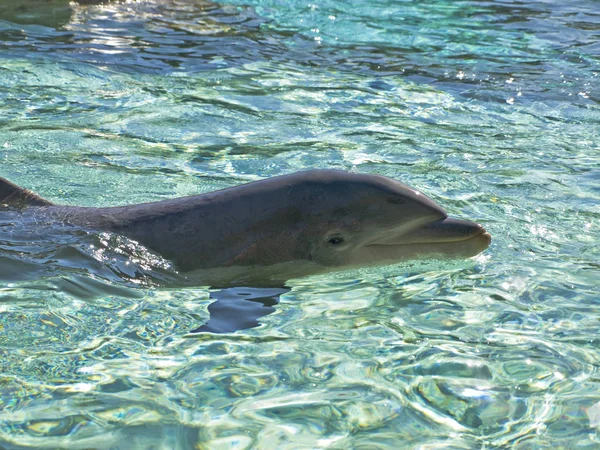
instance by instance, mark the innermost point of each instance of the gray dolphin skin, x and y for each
(269, 231)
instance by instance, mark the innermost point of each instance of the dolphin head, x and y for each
(351, 220)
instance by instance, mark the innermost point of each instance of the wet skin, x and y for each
(266, 232)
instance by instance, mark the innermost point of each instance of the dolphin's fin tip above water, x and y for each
(13, 196)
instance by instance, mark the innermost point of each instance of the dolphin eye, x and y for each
(335, 240)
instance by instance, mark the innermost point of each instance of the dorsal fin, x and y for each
(13, 196)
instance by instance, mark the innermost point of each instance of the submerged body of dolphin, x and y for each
(266, 232)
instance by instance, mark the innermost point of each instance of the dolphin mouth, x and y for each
(451, 237)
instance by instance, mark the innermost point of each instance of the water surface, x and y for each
(491, 108)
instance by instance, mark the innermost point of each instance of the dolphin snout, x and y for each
(442, 231)
(446, 238)
(449, 230)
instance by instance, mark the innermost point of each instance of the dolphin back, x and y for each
(13, 196)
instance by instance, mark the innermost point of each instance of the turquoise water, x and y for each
(491, 108)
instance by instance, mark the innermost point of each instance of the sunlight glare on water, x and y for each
(491, 108)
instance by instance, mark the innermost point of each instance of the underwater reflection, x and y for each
(48, 13)
(154, 35)
(238, 309)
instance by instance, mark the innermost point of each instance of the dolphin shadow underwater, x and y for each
(264, 233)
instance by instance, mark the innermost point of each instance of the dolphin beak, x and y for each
(449, 237)
(447, 230)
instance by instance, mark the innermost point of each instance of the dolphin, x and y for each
(266, 232)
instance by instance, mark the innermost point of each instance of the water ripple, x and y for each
(489, 107)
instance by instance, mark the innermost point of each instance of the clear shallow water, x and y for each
(491, 108)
